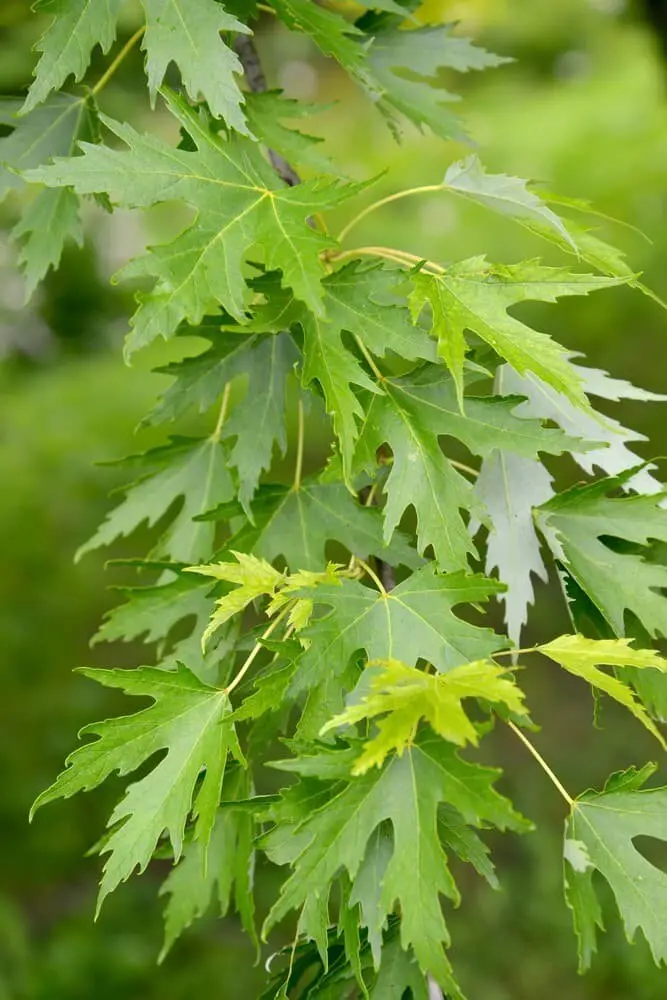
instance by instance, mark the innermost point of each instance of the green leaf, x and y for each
(52, 217)
(583, 657)
(411, 415)
(399, 972)
(413, 621)
(66, 45)
(407, 792)
(574, 524)
(152, 612)
(202, 877)
(405, 66)
(187, 32)
(265, 113)
(195, 470)
(503, 194)
(202, 268)
(257, 422)
(297, 524)
(354, 303)
(405, 696)
(188, 719)
(476, 296)
(603, 826)
(335, 36)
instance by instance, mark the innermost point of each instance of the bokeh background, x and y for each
(583, 110)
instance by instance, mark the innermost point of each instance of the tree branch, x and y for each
(254, 74)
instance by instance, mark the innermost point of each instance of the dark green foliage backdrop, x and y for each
(584, 111)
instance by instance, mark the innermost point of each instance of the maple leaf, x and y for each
(52, 217)
(253, 578)
(186, 32)
(407, 792)
(413, 621)
(202, 877)
(298, 523)
(152, 612)
(354, 303)
(202, 268)
(411, 414)
(66, 45)
(194, 469)
(573, 524)
(504, 194)
(257, 422)
(475, 295)
(600, 836)
(188, 719)
(583, 657)
(265, 113)
(405, 65)
(335, 36)
(406, 695)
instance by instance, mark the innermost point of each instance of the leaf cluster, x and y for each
(329, 625)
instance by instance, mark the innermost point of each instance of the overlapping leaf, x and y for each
(406, 792)
(214, 875)
(404, 696)
(52, 217)
(188, 719)
(186, 32)
(415, 620)
(600, 837)
(475, 295)
(194, 470)
(410, 415)
(583, 657)
(297, 524)
(239, 203)
(575, 524)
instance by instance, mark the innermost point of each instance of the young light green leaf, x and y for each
(189, 720)
(606, 824)
(405, 696)
(253, 578)
(583, 657)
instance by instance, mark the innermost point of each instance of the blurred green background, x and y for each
(583, 110)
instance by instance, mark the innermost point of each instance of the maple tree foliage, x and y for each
(338, 619)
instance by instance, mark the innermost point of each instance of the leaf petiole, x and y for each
(254, 652)
(542, 762)
(116, 62)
